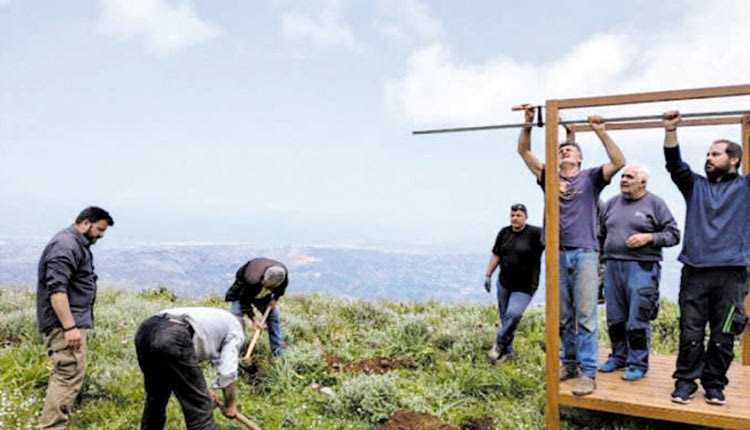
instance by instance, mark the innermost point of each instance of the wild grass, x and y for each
(449, 373)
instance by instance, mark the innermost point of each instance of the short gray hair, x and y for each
(274, 276)
(641, 172)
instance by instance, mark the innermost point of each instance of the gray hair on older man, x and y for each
(274, 276)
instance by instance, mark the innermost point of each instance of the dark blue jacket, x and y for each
(66, 266)
(717, 217)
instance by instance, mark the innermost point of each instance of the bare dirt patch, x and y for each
(370, 366)
(405, 419)
(486, 423)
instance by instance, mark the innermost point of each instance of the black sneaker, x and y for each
(683, 392)
(715, 396)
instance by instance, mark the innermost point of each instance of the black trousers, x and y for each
(713, 296)
(167, 359)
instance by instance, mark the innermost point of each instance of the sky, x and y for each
(276, 122)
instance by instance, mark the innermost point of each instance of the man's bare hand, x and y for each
(214, 398)
(597, 123)
(258, 325)
(73, 338)
(639, 239)
(229, 411)
(671, 118)
(528, 114)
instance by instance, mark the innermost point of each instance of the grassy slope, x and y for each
(450, 377)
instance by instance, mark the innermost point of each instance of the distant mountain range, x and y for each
(370, 274)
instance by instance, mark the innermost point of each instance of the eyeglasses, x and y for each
(518, 207)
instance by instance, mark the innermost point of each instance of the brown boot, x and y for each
(568, 372)
(584, 386)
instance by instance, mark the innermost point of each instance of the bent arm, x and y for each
(524, 150)
(616, 157)
(669, 233)
(524, 145)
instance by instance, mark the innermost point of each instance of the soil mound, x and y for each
(409, 420)
(486, 423)
(370, 366)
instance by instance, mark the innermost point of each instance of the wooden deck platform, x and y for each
(650, 397)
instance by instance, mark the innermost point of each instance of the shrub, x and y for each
(372, 398)
(160, 293)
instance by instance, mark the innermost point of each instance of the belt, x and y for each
(568, 248)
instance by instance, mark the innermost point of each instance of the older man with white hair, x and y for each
(634, 225)
(259, 284)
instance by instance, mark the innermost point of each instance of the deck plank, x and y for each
(650, 397)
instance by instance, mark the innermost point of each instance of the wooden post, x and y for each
(745, 170)
(552, 280)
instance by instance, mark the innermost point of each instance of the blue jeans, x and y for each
(511, 306)
(578, 309)
(631, 291)
(273, 322)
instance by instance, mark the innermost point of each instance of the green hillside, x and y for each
(350, 365)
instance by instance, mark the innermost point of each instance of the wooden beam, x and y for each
(745, 170)
(659, 124)
(552, 282)
(656, 96)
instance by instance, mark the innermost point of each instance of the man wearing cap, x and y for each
(635, 225)
(259, 284)
(65, 295)
(170, 345)
(579, 194)
(518, 250)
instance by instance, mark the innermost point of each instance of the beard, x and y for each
(89, 236)
(714, 172)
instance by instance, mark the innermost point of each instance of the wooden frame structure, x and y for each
(646, 402)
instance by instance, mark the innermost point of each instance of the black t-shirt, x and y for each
(520, 255)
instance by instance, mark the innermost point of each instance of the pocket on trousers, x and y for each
(65, 362)
(648, 304)
(736, 322)
(646, 266)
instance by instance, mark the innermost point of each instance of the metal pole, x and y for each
(579, 121)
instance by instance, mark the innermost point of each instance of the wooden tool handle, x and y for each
(256, 335)
(244, 420)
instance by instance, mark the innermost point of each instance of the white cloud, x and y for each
(324, 28)
(409, 19)
(708, 47)
(164, 26)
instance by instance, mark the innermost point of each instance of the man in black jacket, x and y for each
(259, 284)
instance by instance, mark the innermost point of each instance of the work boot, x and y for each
(494, 353)
(568, 372)
(584, 386)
